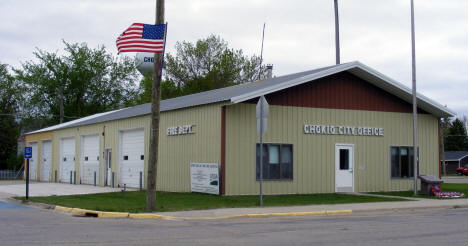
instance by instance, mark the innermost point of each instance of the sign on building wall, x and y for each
(204, 178)
(180, 130)
(343, 130)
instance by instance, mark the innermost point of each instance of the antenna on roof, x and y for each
(261, 53)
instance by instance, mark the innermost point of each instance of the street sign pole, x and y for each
(261, 151)
(27, 155)
(27, 179)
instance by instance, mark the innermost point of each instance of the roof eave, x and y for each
(366, 73)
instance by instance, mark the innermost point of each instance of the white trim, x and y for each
(72, 122)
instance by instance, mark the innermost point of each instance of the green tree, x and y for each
(204, 65)
(456, 138)
(81, 82)
(10, 94)
(209, 64)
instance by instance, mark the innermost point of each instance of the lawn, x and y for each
(463, 188)
(135, 201)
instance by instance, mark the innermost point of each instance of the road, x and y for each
(24, 226)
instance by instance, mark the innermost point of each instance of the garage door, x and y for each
(33, 161)
(90, 159)
(132, 149)
(46, 160)
(67, 159)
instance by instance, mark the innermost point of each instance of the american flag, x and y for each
(142, 38)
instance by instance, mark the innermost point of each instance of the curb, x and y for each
(101, 214)
(411, 208)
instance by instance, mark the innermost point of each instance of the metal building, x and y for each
(340, 128)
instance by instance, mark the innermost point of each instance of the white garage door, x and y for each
(131, 157)
(46, 160)
(33, 162)
(90, 159)
(67, 159)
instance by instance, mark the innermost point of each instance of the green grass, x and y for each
(463, 188)
(135, 201)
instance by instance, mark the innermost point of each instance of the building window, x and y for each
(277, 162)
(401, 161)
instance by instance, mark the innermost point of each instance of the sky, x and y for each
(299, 35)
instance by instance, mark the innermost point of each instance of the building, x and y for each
(454, 160)
(340, 128)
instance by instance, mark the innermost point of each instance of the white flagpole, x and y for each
(337, 34)
(415, 107)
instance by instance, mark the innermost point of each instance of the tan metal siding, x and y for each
(176, 152)
(110, 139)
(39, 137)
(314, 154)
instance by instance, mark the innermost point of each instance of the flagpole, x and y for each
(415, 108)
(155, 115)
(337, 34)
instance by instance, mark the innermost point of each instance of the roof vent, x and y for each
(269, 71)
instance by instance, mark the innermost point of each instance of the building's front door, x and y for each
(344, 168)
(109, 179)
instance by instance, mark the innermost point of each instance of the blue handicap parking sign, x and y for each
(27, 152)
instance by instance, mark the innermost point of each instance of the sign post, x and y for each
(262, 110)
(27, 156)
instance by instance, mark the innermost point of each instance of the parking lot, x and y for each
(18, 188)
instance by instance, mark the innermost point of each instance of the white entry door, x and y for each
(33, 161)
(344, 168)
(67, 160)
(109, 167)
(46, 160)
(90, 159)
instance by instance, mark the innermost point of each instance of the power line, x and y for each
(25, 116)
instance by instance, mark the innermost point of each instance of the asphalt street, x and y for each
(22, 226)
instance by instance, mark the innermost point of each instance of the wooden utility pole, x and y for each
(61, 102)
(155, 115)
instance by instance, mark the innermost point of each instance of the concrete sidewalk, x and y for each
(355, 207)
(455, 179)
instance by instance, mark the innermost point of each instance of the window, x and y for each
(401, 161)
(344, 159)
(277, 162)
